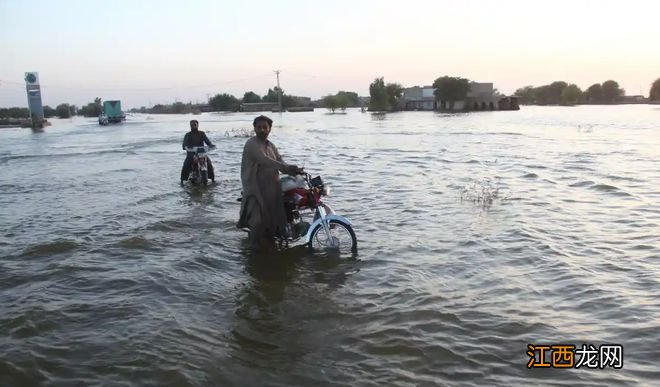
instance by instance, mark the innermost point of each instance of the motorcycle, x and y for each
(303, 197)
(199, 169)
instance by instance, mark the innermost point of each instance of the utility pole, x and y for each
(279, 90)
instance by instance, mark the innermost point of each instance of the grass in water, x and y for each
(239, 133)
(484, 193)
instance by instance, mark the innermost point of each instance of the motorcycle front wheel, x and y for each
(205, 178)
(342, 237)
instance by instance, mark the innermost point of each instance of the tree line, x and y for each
(562, 93)
(384, 97)
(224, 102)
(62, 111)
(219, 102)
(228, 102)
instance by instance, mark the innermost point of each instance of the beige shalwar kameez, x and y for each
(262, 205)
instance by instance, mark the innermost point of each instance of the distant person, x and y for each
(262, 205)
(192, 139)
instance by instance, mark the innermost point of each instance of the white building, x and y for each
(418, 98)
(480, 96)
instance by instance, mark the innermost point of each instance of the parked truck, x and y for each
(112, 112)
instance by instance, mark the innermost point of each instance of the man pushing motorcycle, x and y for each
(195, 138)
(262, 205)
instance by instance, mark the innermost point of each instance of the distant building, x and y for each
(259, 106)
(480, 96)
(296, 109)
(203, 108)
(634, 99)
(509, 103)
(303, 101)
(418, 98)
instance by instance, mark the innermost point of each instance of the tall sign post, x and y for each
(34, 99)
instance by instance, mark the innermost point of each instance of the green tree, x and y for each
(289, 101)
(571, 95)
(251, 97)
(352, 98)
(224, 102)
(379, 96)
(611, 91)
(330, 102)
(98, 106)
(451, 89)
(542, 95)
(654, 93)
(343, 100)
(527, 95)
(272, 95)
(594, 93)
(92, 109)
(49, 112)
(15, 112)
(158, 109)
(394, 92)
(63, 110)
(181, 108)
(555, 90)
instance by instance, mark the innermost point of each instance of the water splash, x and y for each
(484, 192)
(239, 133)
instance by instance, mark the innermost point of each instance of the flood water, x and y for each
(478, 234)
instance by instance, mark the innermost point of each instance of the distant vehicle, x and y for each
(112, 111)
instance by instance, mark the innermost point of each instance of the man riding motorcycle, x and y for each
(195, 138)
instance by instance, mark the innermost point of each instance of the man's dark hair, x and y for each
(264, 119)
(197, 122)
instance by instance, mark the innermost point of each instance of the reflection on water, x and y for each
(478, 234)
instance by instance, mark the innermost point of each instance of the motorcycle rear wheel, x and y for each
(342, 237)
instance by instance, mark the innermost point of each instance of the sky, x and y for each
(148, 52)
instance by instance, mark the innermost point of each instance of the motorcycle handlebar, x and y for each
(194, 148)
